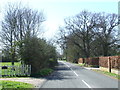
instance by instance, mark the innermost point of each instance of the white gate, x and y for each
(22, 70)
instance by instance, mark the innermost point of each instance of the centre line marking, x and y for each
(86, 84)
(71, 69)
(67, 65)
(74, 72)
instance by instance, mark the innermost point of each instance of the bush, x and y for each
(37, 53)
(52, 63)
(44, 72)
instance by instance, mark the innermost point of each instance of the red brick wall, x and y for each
(102, 61)
(89, 61)
(95, 61)
(115, 62)
(92, 61)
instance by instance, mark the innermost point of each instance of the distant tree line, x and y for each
(89, 34)
(19, 35)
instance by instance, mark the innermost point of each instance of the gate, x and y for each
(22, 70)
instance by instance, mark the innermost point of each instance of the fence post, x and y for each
(19, 70)
(29, 70)
(7, 70)
(109, 64)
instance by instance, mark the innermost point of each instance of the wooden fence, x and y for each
(22, 70)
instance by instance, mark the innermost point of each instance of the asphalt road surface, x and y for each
(68, 75)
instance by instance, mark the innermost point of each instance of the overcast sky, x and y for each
(57, 10)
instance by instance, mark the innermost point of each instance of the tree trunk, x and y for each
(105, 50)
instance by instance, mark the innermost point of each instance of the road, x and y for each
(68, 75)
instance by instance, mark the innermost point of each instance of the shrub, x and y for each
(44, 72)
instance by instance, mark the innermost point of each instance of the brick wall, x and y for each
(103, 61)
(92, 61)
(115, 62)
(89, 61)
(111, 61)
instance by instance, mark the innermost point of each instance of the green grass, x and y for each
(10, 64)
(109, 74)
(14, 84)
(82, 64)
(86, 65)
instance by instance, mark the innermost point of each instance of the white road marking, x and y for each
(86, 84)
(74, 72)
(66, 64)
(71, 69)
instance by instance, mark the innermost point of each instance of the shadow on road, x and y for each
(61, 72)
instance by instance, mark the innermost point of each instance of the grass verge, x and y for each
(14, 84)
(15, 77)
(109, 74)
(82, 65)
(86, 65)
(10, 64)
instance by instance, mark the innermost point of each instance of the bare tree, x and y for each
(29, 22)
(8, 30)
(93, 34)
(81, 27)
(19, 22)
(107, 31)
